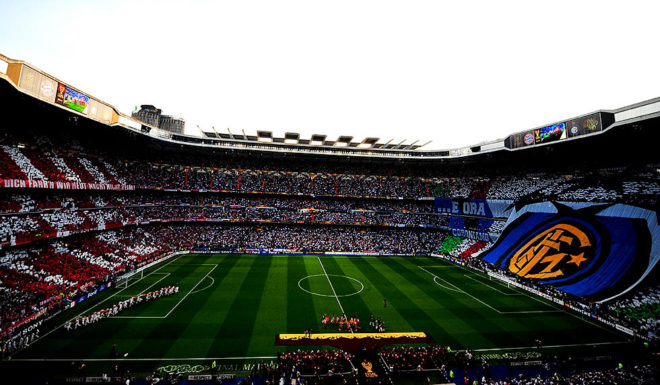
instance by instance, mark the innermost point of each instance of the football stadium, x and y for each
(134, 252)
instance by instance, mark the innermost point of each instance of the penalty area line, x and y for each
(106, 299)
(514, 294)
(484, 303)
(150, 286)
(191, 291)
(455, 288)
(440, 266)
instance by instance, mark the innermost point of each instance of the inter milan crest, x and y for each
(559, 250)
(590, 250)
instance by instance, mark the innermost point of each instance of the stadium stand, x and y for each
(90, 203)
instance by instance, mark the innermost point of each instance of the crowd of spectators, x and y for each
(641, 307)
(416, 358)
(299, 208)
(30, 276)
(27, 218)
(15, 203)
(635, 375)
(56, 164)
(444, 361)
(637, 310)
(20, 340)
(32, 279)
(462, 248)
(314, 362)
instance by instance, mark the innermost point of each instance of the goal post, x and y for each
(124, 281)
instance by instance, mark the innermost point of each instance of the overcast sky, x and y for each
(454, 72)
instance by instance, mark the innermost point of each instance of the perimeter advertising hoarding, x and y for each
(584, 125)
(72, 99)
(550, 133)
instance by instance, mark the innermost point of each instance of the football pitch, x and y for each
(231, 307)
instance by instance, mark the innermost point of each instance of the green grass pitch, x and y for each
(234, 305)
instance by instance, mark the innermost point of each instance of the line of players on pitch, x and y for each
(119, 306)
(351, 324)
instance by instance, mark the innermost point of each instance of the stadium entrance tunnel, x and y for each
(330, 285)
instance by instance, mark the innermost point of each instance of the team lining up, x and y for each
(119, 306)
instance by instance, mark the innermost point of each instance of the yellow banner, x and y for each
(335, 336)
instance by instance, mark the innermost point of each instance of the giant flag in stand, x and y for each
(598, 251)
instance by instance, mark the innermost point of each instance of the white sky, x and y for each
(455, 72)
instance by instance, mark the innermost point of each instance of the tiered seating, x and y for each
(449, 244)
(52, 163)
(96, 174)
(44, 164)
(315, 362)
(106, 170)
(480, 189)
(386, 225)
(25, 165)
(474, 247)
(415, 358)
(65, 266)
(73, 163)
(8, 168)
(67, 173)
(642, 308)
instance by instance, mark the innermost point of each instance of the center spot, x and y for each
(317, 284)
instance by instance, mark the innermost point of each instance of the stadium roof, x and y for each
(319, 140)
(47, 88)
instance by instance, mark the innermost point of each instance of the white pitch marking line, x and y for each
(553, 306)
(195, 264)
(443, 286)
(333, 288)
(206, 287)
(512, 312)
(484, 303)
(328, 295)
(492, 287)
(191, 291)
(96, 305)
(149, 287)
(550, 305)
(188, 293)
(456, 288)
(440, 266)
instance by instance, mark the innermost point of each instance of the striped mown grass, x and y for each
(234, 305)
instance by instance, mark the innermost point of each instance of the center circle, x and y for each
(335, 283)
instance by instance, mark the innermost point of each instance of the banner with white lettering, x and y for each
(488, 208)
(17, 183)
